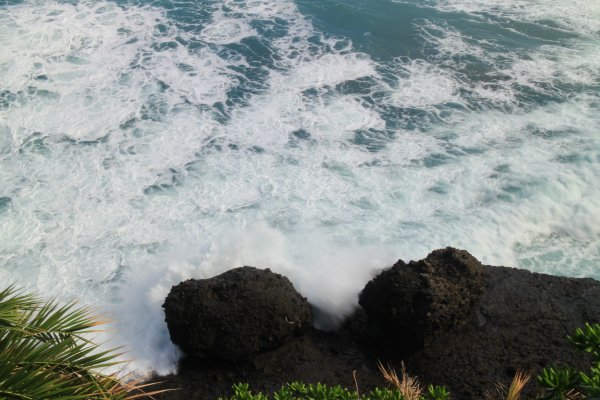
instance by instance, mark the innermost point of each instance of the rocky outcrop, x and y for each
(408, 303)
(521, 322)
(235, 315)
(471, 327)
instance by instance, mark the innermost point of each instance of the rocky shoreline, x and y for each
(449, 319)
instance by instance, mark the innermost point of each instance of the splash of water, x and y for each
(142, 145)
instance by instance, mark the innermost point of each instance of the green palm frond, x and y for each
(44, 353)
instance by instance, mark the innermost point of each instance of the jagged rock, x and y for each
(235, 315)
(407, 302)
(518, 323)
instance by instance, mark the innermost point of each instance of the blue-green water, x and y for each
(144, 142)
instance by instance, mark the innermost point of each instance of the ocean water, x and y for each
(146, 142)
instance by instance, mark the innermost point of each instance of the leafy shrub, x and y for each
(45, 356)
(566, 382)
(302, 391)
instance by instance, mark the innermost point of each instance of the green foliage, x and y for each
(302, 391)
(558, 383)
(587, 339)
(438, 393)
(383, 394)
(44, 354)
(567, 382)
(590, 383)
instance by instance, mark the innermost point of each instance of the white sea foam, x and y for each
(129, 166)
(421, 85)
(544, 70)
(580, 16)
(225, 31)
(330, 70)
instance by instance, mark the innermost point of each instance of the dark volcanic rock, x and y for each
(314, 357)
(477, 326)
(409, 302)
(521, 322)
(237, 314)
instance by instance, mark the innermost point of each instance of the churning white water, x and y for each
(142, 143)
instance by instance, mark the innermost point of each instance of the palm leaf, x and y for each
(44, 353)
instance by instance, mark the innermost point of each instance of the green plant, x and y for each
(384, 394)
(437, 393)
(302, 391)
(295, 390)
(44, 353)
(567, 382)
(587, 339)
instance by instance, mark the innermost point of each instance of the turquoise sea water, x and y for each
(145, 142)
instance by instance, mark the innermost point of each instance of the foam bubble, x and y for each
(264, 9)
(330, 70)
(341, 118)
(225, 31)
(422, 85)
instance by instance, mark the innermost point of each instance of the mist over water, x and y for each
(146, 142)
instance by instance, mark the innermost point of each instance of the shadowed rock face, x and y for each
(237, 314)
(408, 302)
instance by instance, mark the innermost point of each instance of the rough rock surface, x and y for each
(409, 302)
(237, 314)
(313, 357)
(519, 322)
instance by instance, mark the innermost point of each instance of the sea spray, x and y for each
(143, 143)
